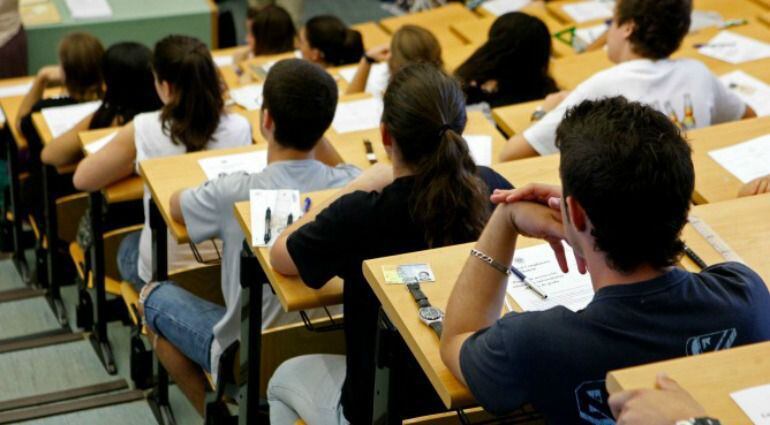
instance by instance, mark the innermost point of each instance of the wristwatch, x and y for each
(429, 315)
(537, 114)
(699, 421)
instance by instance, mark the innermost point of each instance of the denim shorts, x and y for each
(128, 260)
(183, 319)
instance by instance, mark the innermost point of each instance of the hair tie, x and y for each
(444, 128)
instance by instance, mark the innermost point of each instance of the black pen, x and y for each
(267, 225)
(370, 152)
(695, 257)
(290, 220)
(527, 283)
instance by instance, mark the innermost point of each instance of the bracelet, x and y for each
(502, 268)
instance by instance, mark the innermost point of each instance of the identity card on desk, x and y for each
(218, 166)
(572, 290)
(271, 212)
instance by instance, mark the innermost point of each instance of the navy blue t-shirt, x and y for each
(558, 359)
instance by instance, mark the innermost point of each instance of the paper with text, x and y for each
(218, 166)
(589, 10)
(249, 97)
(89, 9)
(15, 90)
(747, 160)
(62, 118)
(480, 147)
(751, 90)
(734, 48)
(584, 37)
(357, 115)
(572, 290)
(99, 143)
(377, 81)
(223, 60)
(501, 7)
(282, 204)
(755, 402)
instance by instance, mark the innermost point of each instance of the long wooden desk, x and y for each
(373, 34)
(539, 169)
(753, 30)
(765, 18)
(709, 378)
(436, 20)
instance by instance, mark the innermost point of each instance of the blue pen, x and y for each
(308, 202)
(528, 283)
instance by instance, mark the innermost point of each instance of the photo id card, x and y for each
(408, 273)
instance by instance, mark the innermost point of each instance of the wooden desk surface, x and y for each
(570, 71)
(164, 176)
(709, 378)
(291, 291)
(514, 119)
(713, 183)
(436, 20)
(556, 8)
(373, 34)
(128, 189)
(455, 56)
(351, 148)
(539, 169)
(753, 30)
(252, 70)
(765, 18)
(10, 106)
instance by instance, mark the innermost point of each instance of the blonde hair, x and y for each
(413, 44)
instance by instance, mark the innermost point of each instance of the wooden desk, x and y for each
(436, 20)
(765, 18)
(536, 8)
(164, 176)
(514, 119)
(556, 8)
(709, 378)
(540, 169)
(713, 183)
(252, 71)
(570, 71)
(373, 34)
(10, 106)
(753, 30)
(456, 56)
(291, 291)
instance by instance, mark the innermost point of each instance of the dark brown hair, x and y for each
(413, 44)
(80, 56)
(273, 31)
(193, 113)
(659, 25)
(424, 111)
(339, 44)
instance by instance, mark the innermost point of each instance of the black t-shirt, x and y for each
(558, 359)
(354, 228)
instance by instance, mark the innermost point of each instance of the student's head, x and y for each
(130, 89)
(326, 40)
(653, 29)
(516, 54)
(413, 44)
(627, 180)
(270, 31)
(80, 57)
(299, 99)
(188, 84)
(422, 124)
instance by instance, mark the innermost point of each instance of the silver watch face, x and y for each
(430, 313)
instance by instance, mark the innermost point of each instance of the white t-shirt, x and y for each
(152, 142)
(683, 89)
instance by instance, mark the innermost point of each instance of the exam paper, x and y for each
(734, 48)
(584, 37)
(282, 204)
(15, 90)
(747, 160)
(589, 10)
(2, 117)
(248, 97)
(218, 166)
(501, 7)
(480, 147)
(377, 81)
(357, 115)
(572, 290)
(62, 118)
(89, 9)
(98, 144)
(755, 402)
(223, 60)
(752, 91)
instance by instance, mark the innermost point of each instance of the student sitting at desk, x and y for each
(192, 118)
(299, 101)
(130, 90)
(627, 179)
(512, 66)
(326, 40)
(410, 44)
(432, 195)
(269, 31)
(640, 40)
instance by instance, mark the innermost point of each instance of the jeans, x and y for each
(308, 387)
(128, 260)
(183, 319)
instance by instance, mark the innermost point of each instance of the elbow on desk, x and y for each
(280, 259)
(83, 183)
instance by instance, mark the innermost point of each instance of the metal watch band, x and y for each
(418, 295)
(502, 268)
(437, 326)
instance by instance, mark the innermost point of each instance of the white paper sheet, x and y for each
(501, 7)
(751, 90)
(2, 117)
(98, 144)
(15, 90)
(249, 97)
(747, 160)
(572, 290)
(481, 148)
(734, 48)
(282, 203)
(89, 9)
(700, 19)
(61, 118)
(218, 166)
(755, 402)
(357, 115)
(223, 60)
(377, 81)
(589, 10)
(584, 37)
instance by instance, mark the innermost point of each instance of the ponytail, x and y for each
(424, 111)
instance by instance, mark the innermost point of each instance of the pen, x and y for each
(699, 45)
(370, 152)
(267, 225)
(308, 202)
(694, 257)
(527, 282)
(290, 219)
